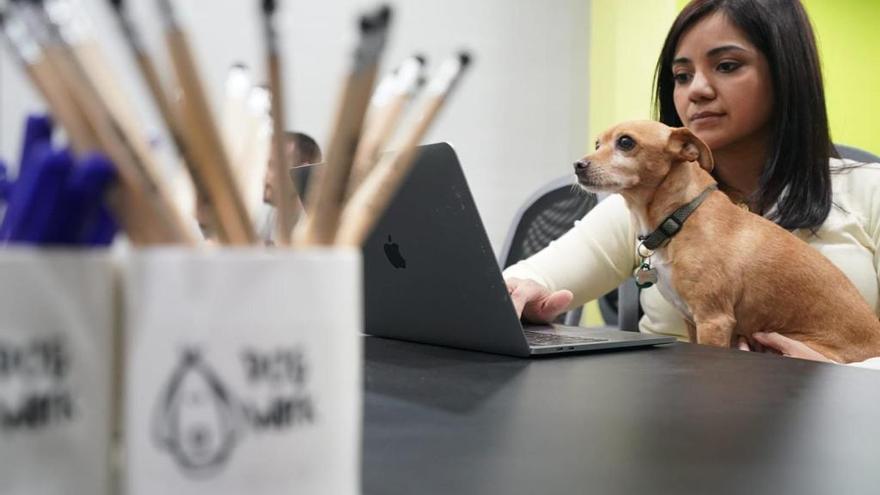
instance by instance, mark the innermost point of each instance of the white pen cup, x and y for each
(243, 371)
(56, 371)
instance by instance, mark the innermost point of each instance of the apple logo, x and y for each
(392, 252)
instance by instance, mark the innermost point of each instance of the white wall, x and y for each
(518, 120)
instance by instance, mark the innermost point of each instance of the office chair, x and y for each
(546, 216)
(856, 154)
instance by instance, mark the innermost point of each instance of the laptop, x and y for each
(430, 275)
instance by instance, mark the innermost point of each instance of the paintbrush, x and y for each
(391, 98)
(120, 133)
(29, 55)
(247, 128)
(202, 138)
(326, 197)
(31, 37)
(68, 22)
(286, 199)
(233, 113)
(149, 73)
(74, 28)
(369, 201)
(160, 98)
(141, 202)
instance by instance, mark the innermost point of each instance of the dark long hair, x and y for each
(796, 177)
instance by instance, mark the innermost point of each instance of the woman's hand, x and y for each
(783, 345)
(536, 303)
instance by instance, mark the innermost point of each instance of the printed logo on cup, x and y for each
(199, 419)
(34, 393)
(196, 419)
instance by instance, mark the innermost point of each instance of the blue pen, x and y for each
(78, 209)
(52, 201)
(36, 144)
(5, 185)
(100, 227)
(20, 194)
(37, 129)
(103, 229)
(41, 186)
(5, 188)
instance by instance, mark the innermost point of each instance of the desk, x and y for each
(681, 419)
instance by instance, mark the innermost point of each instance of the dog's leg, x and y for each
(692, 331)
(716, 330)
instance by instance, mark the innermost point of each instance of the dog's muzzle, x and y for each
(582, 171)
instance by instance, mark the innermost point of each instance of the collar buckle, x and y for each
(670, 226)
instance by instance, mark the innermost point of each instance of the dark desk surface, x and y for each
(681, 419)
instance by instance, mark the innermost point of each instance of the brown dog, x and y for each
(730, 272)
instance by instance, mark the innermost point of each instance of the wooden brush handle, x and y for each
(392, 96)
(144, 210)
(326, 197)
(369, 202)
(375, 139)
(372, 198)
(208, 150)
(171, 118)
(39, 70)
(99, 77)
(287, 201)
(63, 106)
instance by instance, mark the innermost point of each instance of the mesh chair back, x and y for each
(544, 218)
(856, 154)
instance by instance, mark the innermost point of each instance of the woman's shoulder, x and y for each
(856, 187)
(845, 166)
(850, 175)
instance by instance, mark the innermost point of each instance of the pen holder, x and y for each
(243, 372)
(56, 366)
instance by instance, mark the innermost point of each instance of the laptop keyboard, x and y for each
(549, 339)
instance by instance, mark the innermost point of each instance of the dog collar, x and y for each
(673, 223)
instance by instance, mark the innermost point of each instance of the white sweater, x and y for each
(598, 254)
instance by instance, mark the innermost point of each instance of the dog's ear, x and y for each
(685, 146)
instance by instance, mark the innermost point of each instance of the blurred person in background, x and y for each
(300, 149)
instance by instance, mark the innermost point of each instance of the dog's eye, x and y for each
(625, 143)
(597, 144)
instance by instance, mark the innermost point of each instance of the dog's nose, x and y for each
(581, 165)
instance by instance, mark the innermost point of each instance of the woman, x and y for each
(744, 76)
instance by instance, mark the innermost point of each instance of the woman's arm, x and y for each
(595, 256)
